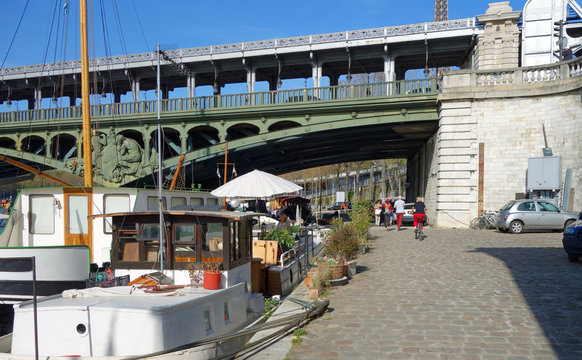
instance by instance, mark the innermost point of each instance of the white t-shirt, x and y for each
(399, 206)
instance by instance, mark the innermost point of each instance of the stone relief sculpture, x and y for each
(116, 158)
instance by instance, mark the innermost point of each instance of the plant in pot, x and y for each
(342, 244)
(283, 237)
(319, 280)
(211, 272)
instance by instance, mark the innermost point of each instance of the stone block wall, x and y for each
(508, 121)
(511, 129)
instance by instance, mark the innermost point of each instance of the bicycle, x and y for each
(485, 221)
(419, 229)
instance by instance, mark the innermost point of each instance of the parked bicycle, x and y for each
(485, 221)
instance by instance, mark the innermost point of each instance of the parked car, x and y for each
(519, 215)
(338, 206)
(572, 240)
(408, 217)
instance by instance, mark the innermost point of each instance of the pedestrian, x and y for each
(387, 212)
(399, 209)
(378, 212)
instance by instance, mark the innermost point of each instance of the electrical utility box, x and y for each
(544, 173)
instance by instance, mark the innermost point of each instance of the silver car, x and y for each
(519, 215)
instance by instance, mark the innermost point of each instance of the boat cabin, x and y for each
(192, 240)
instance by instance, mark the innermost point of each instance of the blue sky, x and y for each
(192, 23)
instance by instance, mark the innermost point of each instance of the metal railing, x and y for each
(279, 97)
(382, 32)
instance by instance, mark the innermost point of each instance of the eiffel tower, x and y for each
(441, 13)
(441, 10)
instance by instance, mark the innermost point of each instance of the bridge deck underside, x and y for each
(386, 140)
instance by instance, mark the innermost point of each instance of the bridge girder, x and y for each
(302, 135)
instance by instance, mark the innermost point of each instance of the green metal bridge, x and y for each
(276, 131)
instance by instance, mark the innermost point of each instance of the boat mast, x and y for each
(87, 160)
(86, 109)
(161, 237)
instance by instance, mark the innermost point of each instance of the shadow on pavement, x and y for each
(552, 287)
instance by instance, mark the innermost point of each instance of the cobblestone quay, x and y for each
(458, 294)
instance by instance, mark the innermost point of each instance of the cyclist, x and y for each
(419, 211)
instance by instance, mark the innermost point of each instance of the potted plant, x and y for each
(210, 271)
(283, 237)
(342, 244)
(319, 280)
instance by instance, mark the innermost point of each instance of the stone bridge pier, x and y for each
(490, 123)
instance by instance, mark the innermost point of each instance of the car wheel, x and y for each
(516, 227)
(572, 258)
(568, 223)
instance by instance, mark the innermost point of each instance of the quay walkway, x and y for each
(458, 294)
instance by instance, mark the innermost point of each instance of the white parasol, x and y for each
(256, 184)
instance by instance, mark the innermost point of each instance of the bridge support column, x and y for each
(183, 141)
(30, 103)
(388, 68)
(191, 85)
(316, 73)
(37, 98)
(251, 79)
(135, 88)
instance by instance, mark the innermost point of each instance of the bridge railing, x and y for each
(530, 74)
(279, 97)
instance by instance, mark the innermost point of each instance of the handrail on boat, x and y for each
(297, 247)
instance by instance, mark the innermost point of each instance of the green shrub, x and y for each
(343, 242)
(362, 218)
(285, 239)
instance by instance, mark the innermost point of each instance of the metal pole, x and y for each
(160, 208)
(35, 308)
(225, 169)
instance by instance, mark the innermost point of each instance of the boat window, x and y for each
(184, 245)
(150, 232)
(177, 201)
(42, 220)
(196, 201)
(212, 239)
(114, 203)
(153, 203)
(226, 314)
(207, 323)
(234, 242)
(212, 201)
(78, 210)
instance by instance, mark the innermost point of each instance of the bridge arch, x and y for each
(282, 125)
(8, 143)
(202, 136)
(240, 131)
(63, 146)
(171, 142)
(34, 144)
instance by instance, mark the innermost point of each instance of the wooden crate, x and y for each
(266, 250)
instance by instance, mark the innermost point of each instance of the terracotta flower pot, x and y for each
(313, 293)
(211, 280)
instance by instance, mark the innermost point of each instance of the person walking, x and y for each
(399, 209)
(387, 213)
(378, 212)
